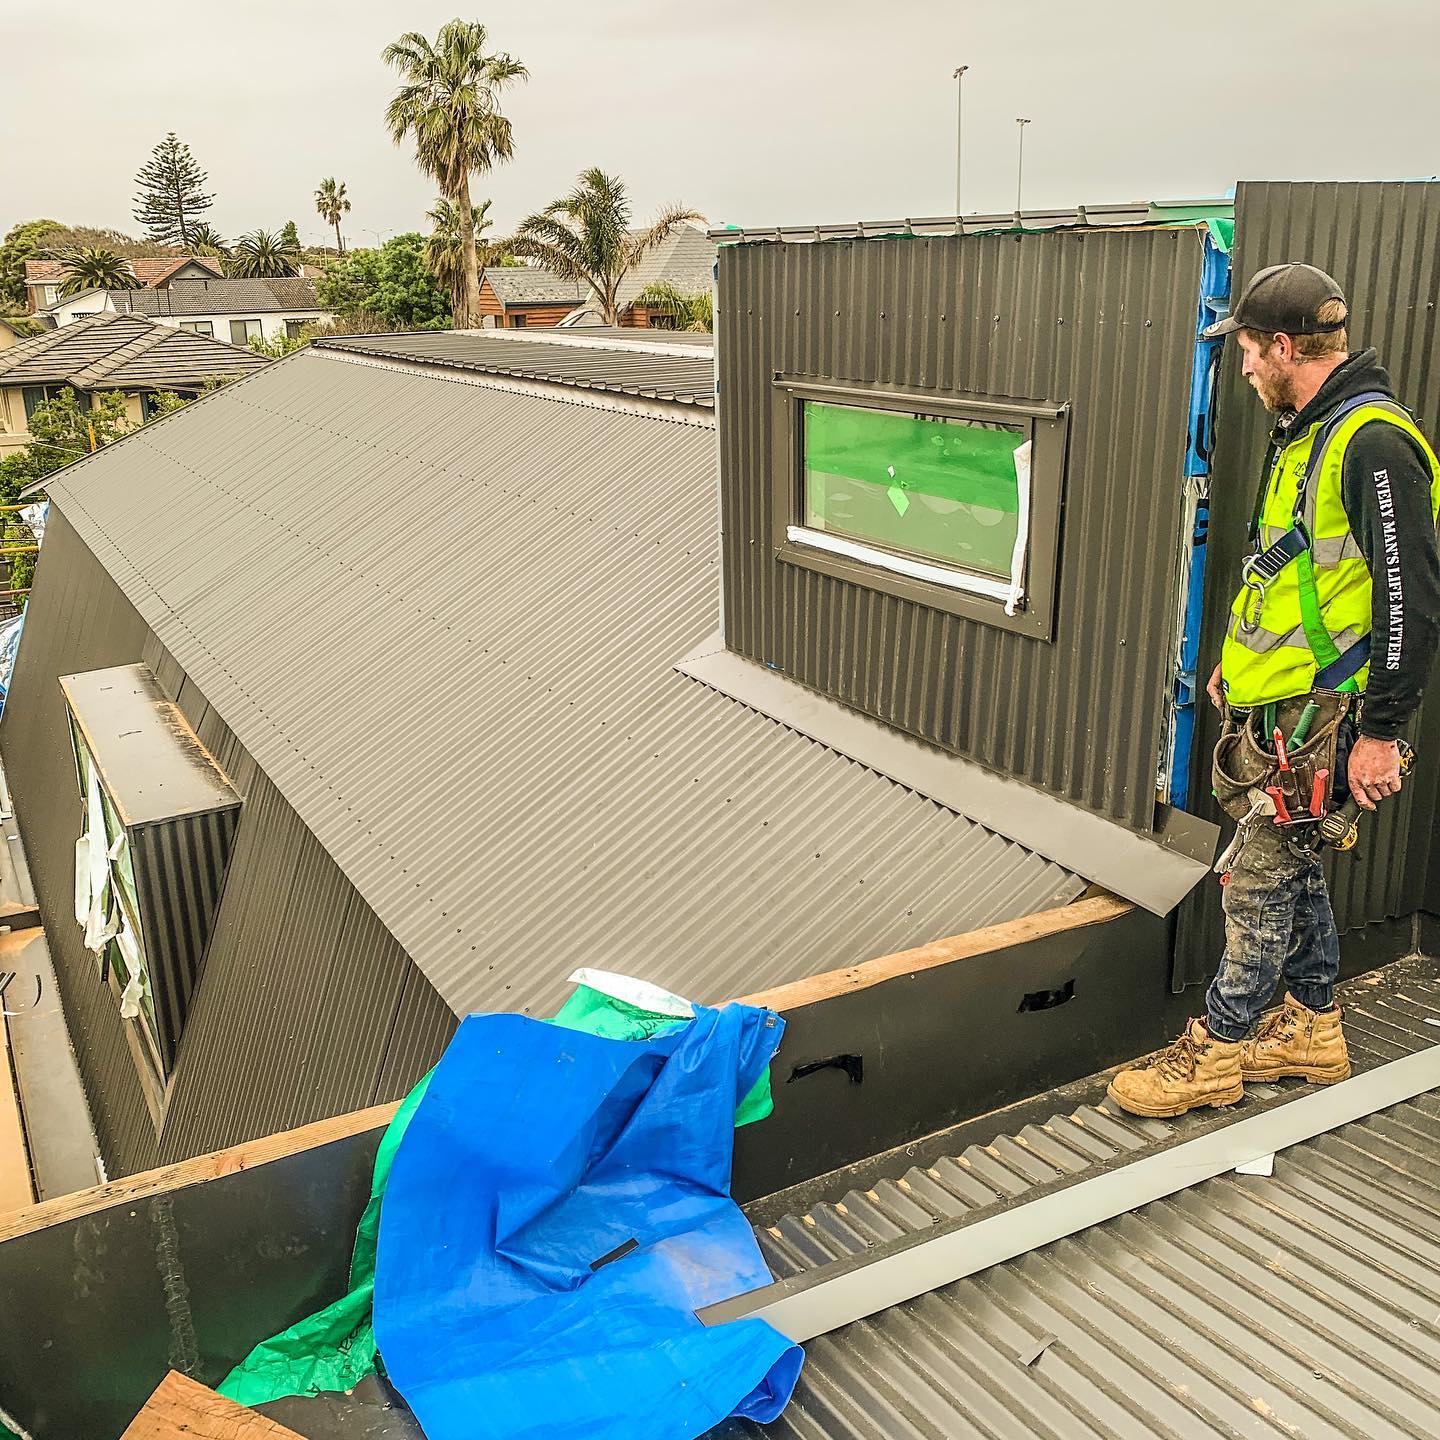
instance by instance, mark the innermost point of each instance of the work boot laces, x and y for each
(1278, 1025)
(1175, 1062)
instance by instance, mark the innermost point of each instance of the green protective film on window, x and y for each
(943, 490)
(334, 1349)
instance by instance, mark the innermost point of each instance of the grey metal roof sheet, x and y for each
(674, 375)
(1294, 1305)
(221, 296)
(483, 724)
(532, 285)
(123, 352)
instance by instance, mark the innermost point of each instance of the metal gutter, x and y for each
(916, 1264)
(1155, 872)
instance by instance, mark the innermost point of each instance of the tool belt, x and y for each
(1246, 759)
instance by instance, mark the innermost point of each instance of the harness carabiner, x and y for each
(1249, 623)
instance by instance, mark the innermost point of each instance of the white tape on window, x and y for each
(1022, 529)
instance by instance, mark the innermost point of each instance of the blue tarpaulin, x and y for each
(537, 1153)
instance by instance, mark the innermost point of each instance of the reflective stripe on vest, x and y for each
(1269, 654)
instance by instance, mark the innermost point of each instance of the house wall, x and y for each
(15, 430)
(1101, 320)
(305, 1006)
(271, 324)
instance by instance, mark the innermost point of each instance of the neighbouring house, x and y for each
(513, 296)
(44, 278)
(224, 309)
(107, 353)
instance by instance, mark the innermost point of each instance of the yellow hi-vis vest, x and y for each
(1290, 624)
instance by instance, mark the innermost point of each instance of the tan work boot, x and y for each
(1295, 1040)
(1196, 1070)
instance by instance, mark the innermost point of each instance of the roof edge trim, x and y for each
(556, 391)
(550, 335)
(1146, 869)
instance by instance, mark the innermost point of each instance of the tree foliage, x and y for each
(263, 255)
(205, 239)
(95, 269)
(332, 204)
(172, 194)
(445, 251)
(391, 287)
(585, 236)
(25, 241)
(449, 102)
(290, 237)
(689, 312)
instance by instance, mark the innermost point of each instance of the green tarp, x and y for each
(334, 1349)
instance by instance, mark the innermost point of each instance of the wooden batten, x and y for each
(1092, 910)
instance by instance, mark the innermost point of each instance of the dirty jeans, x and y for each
(1278, 925)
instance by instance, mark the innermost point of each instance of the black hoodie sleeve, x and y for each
(1386, 492)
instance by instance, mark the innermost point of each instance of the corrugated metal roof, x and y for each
(219, 297)
(123, 352)
(1295, 1305)
(483, 723)
(661, 372)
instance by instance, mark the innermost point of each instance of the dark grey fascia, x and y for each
(1155, 871)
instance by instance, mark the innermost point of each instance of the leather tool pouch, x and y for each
(1244, 758)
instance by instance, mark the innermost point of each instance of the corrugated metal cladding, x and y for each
(491, 738)
(681, 376)
(1379, 240)
(306, 1007)
(1103, 320)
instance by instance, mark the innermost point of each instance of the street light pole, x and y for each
(1020, 163)
(959, 79)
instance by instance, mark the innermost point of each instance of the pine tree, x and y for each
(290, 236)
(171, 198)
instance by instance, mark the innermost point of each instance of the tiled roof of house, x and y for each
(123, 352)
(530, 285)
(148, 270)
(221, 296)
(685, 260)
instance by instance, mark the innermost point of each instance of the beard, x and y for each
(1276, 391)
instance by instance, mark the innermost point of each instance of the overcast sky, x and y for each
(752, 111)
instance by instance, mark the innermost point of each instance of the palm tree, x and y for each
(585, 236)
(93, 268)
(205, 239)
(690, 312)
(262, 255)
(449, 102)
(445, 251)
(330, 201)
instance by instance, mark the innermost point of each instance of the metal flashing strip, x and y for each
(823, 1300)
(1156, 872)
(588, 398)
(577, 339)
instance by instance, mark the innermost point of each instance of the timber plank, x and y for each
(16, 1192)
(1093, 911)
(182, 1409)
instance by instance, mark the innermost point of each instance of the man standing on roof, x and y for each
(1341, 600)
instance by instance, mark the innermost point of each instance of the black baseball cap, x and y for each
(1282, 300)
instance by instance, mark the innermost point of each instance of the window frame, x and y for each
(246, 338)
(1045, 423)
(199, 327)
